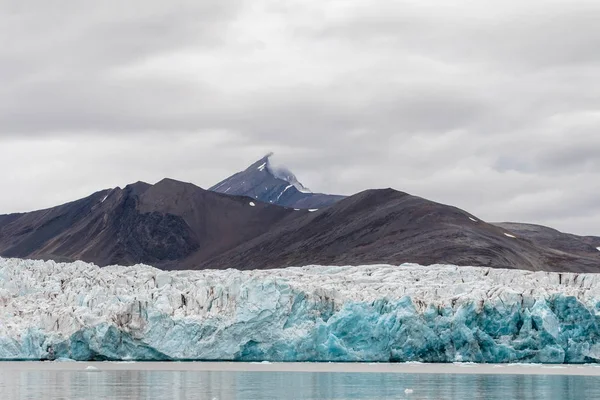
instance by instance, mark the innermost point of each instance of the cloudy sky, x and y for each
(492, 106)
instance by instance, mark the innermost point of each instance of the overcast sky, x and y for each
(492, 106)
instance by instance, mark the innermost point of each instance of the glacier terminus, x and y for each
(375, 313)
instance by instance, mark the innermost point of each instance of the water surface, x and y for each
(224, 381)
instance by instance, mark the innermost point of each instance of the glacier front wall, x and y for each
(371, 313)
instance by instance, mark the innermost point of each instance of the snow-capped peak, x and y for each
(270, 182)
(281, 172)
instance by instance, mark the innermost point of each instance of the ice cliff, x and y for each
(314, 313)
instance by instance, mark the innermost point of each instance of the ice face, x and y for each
(370, 313)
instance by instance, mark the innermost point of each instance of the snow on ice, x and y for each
(373, 313)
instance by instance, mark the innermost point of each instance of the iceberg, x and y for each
(375, 313)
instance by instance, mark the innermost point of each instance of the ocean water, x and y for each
(98, 382)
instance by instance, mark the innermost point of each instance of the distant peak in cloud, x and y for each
(282, 172)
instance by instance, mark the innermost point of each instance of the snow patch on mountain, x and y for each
(370, 313)
(284, 190)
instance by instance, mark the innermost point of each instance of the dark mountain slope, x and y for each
(34, 233)
(386, 226)
(175, 225)
(162, 225)
(5, 219)
(265, 183)
(218, 222)
(586, 246)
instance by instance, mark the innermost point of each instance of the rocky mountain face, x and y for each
(585, 246)
(162, 225)
(276, 222)
(268, 184)
(387, 226)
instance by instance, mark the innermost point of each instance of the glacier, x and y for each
(375, 313)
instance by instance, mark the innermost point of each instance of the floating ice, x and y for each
(369, 313)
(509, 235)
(252, 204)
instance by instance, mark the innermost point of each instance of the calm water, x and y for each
(212, 385)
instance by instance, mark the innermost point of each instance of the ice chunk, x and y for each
(509, 235)
(376, 313)
(252, 204)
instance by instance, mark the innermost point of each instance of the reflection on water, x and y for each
(289, 385)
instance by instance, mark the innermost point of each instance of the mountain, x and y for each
(279, 186)
(162, 224)
(264, 182)
(392, 227)
(548, 237)
(174, 225)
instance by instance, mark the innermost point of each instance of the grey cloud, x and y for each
(536, 34)
(508, 163)
(491, 107)
(58, 61)
(571, 158)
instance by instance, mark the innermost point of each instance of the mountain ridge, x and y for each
(392, 227)
(178, 225)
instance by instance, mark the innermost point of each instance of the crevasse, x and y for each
(381, 313)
